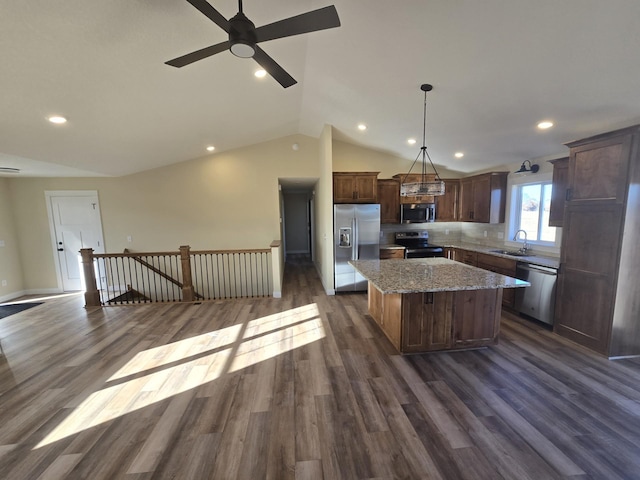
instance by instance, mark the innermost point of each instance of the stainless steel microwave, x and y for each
(417, 212)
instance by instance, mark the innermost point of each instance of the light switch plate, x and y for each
(1, 243)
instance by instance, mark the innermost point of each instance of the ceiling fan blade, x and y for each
(211, 13)
(273, 69)
(313, 21)
(198, 55)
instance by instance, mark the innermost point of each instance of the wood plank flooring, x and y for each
(302, 387)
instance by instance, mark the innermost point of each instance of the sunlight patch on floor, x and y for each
(162, 372)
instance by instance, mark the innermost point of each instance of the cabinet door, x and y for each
(559, 191)
(589, 262)
(366, 188)
(476, 317)
(599, 171)
(344, 189)
(482, 199)
(447, 204)
(389, 199)
(466, 200)
(426, 321)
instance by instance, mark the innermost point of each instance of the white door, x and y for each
(76, 224)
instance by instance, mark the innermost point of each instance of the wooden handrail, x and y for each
(236, 277)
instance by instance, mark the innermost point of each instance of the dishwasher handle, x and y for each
(537, 268)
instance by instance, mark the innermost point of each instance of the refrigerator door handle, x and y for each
(356, 240)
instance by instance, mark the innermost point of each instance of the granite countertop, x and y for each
(430, 275)
(542, 260)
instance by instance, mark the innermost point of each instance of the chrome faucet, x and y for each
(525, 245)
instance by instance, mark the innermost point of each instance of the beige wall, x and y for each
(10, 269)
(324, 212)
(226, 200)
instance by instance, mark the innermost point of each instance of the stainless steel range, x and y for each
(417, 244)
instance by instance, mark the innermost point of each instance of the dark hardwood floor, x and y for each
(302, 387)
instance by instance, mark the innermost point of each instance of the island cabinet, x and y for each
(483, 198)
(559, 191)
(447, 209)
(389, 200)
(355, 187)
(433, 321)
(598, 289)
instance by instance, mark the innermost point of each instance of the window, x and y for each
(532, 202)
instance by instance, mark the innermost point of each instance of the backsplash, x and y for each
(440, 233)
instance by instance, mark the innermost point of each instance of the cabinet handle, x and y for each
(428, 298)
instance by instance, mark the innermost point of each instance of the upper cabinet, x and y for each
(389, 200)
(355, 187)
(447, 205)
(483, 198)
(559, 191)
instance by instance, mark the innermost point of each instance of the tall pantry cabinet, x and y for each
(598, 294)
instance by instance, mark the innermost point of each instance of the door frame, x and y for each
(49, 194)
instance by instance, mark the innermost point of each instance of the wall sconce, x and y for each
(532, 168)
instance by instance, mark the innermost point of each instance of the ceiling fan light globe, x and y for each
(243, 50)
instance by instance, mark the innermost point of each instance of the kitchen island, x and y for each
(431, 304)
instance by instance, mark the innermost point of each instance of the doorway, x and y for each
(298, 217)
(74, 223)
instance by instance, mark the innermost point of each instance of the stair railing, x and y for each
(182, 276)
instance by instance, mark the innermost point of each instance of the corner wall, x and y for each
(10, 270)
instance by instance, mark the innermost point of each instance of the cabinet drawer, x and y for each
(391, 253)
(468, 257)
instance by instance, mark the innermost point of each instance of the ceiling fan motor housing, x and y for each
(242, 36)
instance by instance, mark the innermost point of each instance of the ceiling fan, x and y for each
(244, 36)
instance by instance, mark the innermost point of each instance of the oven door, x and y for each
(424, 252)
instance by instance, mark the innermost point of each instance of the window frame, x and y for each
(512, 220)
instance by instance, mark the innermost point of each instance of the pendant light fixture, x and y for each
(423, 187)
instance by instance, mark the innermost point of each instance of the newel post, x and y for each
(187, 282)
(91, 293)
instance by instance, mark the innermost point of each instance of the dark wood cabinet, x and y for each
(355, 187)
(389, 200)
(483, 198)
(447, 209)
(559, 191)
(597, 296)
(433, 321)
(503, 266)
(386, 253)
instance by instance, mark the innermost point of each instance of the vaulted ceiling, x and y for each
(498, 67)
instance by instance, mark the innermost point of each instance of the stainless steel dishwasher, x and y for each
(538, 300)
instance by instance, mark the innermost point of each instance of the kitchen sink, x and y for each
(510, 252)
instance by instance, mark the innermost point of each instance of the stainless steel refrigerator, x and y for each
(356, 236)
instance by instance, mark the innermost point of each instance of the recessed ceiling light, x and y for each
(57, 119)
(211, 148)
(260, 73)
(544, 125)
(458, 154)
(362, 127)
(411, 141)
